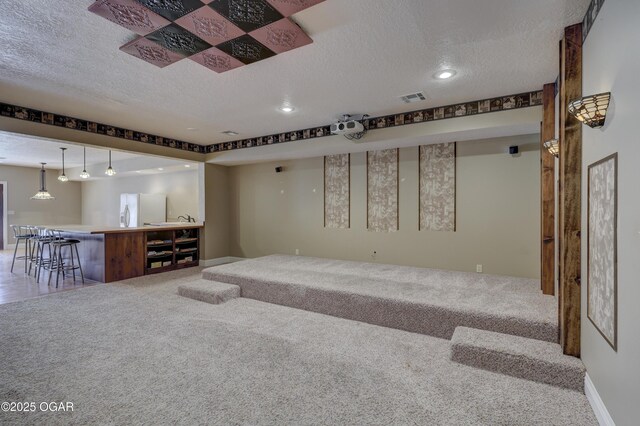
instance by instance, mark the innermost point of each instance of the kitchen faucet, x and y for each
(188, 218)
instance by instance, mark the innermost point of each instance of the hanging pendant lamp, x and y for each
(84, 174)
(110, 171)
(63, 177)
(43, 194)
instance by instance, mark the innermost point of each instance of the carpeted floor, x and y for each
(137, 353)
(427, 301)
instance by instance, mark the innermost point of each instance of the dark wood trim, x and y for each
(324, 191)
(547, 192)
(570, 200)
(2, 208)
(420, 187)
(397, 189)
(613, 344)
(455, 186)
(349, 179)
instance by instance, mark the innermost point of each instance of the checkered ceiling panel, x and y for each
(219, 34)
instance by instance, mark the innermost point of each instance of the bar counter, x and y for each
(112, 254)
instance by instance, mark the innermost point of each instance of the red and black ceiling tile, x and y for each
(220, 34)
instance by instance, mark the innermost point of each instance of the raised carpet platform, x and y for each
(425, 301)
(209, 291)
(518, 357)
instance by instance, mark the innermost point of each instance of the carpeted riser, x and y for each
(209, 291)
(394, 313)
(516, 366)
(515, 356)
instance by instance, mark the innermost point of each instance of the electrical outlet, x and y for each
(479, 268)
(297, 252)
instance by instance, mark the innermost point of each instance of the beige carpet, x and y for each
(426, 301)
(137, 353)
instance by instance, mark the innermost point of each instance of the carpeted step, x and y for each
(433, 306)
(209, 291)
(517, 356)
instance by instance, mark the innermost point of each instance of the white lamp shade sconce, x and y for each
(591, 110)
(553, 146)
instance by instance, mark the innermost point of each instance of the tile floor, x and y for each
(20, 286)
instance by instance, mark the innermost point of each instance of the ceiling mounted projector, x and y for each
(347, 127)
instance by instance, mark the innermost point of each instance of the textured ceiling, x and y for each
(59, 57)
(221, 35)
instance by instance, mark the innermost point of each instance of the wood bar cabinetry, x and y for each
(116, 254)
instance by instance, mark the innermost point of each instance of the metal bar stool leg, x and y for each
(15, 252)
(52, 265)
(79, 264)
(60, 267)
(73, 266)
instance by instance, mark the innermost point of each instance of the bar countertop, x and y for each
(89, 229)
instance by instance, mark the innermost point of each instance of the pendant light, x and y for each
(110, 171)
(63, 177)
(43, 194)
(84, 174)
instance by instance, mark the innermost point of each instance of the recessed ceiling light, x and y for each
(192, 129)
(230, 133)
(187, 165)
(444, 74)
(138, 171)
(287, 109)
(160, 168)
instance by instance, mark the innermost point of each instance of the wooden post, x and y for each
(570, 187)
(547, 192)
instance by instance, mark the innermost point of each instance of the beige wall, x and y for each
(611, 61)
(497, 212)
(216, 231)
(101, 198)
(23, 183)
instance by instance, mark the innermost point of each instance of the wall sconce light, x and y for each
(591, 110)
(553, 147)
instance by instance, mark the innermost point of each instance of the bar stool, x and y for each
(21, 234)
(40, 241)
(57, 262)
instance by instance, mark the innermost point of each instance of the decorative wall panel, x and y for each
(382, 190)
(337, 191)
(602, 247)
(437, 173)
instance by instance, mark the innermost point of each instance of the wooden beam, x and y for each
(548, 192)
(570, 184)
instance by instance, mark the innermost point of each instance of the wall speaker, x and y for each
(513, 150)
(279, 169)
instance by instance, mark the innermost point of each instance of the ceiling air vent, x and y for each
(414, 97)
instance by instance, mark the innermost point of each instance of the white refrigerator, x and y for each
(138, 209)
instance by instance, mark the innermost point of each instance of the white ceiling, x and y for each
(30, 151)
(56, 56)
